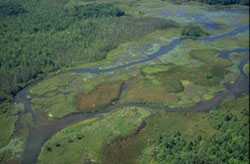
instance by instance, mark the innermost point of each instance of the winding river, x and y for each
(42, 131)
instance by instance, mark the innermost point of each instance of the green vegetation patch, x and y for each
(246, 69)
(52, 84)
(56, 96)
(7, 125)
(56, 106)
(151, 69)
(193, 30)
(8, 117)
(208, 56)
(12, 150)
(84, 141)
(204, 75)
(11, 139)
(211, 92)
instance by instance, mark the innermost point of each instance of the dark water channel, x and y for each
(42, 131)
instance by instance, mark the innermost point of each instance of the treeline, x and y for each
(224, 2)
(229, 145)
(48, 36)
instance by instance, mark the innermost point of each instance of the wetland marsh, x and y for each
(160, 98)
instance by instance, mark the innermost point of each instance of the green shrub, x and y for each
(192, 30)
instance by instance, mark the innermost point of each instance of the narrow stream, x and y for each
(41, 132)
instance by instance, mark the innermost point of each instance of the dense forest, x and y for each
(38, 37)
(227, 146)
(224, 2)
